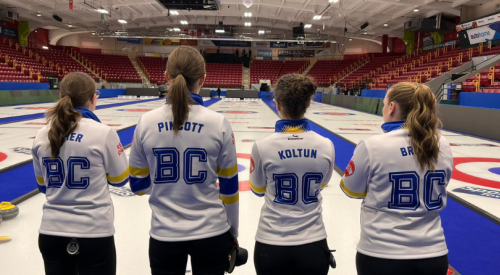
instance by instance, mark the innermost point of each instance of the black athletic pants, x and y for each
(208, 256)
(307, 259)
(97, 256)
(367, 265)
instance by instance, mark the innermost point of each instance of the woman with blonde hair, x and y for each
(75, 158)
(179, 151)
(401, 176)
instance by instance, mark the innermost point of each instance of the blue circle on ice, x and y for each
(495, 170)
(241, 168)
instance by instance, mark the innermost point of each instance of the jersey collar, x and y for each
(198, 100)
(394, 125)
(87, 113)
(292, 126)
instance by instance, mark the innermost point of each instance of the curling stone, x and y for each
(8, 210)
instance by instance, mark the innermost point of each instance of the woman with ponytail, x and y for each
(402, 176)
(179, 151)
(75, 158)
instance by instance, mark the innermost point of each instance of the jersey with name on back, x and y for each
(290, 168)
(76, 182)
(401, 202)
(180, 171)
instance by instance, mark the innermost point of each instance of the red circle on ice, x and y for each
(2, 156)
(461, 176)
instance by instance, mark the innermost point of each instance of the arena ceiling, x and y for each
(384, 16)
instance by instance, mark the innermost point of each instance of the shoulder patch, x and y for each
(349, 171)
(252, 165)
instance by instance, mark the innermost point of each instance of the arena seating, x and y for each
(266, 70)
(113, 68)
(325, 72)
(17, 65)
(154, 67)
(290, 67)
(224, 75)
(364, 71)
(62, 62)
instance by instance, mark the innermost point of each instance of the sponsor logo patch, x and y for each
(349, 171)
(252, 165)
(295, 137)
(120, 149)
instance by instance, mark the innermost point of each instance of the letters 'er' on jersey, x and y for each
(180, 172)
(401, 202)
(290, 168)
(76, 182)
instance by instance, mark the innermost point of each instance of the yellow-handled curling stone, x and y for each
(8, 210)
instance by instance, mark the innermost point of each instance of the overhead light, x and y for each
(184, 22)
(101, 10)
(93, 33)
(102, 39)
(177, 30)
(262, 31)
(174, 12)
(69, 25)
(333, 1)
(248, 14)
(219, 31)
(38, 14)
(121, 21)
(416, 9)
(248, 24)
(307, 26)
(385, 24)
(350, 39)
(365, 33)
(45, 47)
(317, 17)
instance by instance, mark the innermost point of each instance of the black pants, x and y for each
(307, 259)
(97, 256)
(208, 256)
(367, 265)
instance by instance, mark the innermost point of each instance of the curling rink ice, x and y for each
(478, 168)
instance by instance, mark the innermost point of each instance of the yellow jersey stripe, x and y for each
(230, 200)
(257, 189)
(324, 185)
(119, 178)
(40, 180)
(228, 171)
(141, 194)
(138, 171)
(350, 193)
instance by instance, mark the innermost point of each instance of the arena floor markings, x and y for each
(29, 109)
(16, 139)
(132, 213)
(471, 238)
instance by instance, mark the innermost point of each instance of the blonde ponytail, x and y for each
(418, 107)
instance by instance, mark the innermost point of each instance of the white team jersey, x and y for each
(180, 172)
(290, 168)
(401, 203)
(76, 183)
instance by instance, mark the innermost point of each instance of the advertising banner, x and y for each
(130, 48)
(265, 53)
(151, 41)
(189, 42)
(194, 32)
(227, 51)
(296, 53)
(484, 34)
(261, 44)
(171, 42)
(479, 22)
(207, 43)
(219, 43)
(23, 31)
(8, 32)
(130, 40)
(153, 54)
(280, 45)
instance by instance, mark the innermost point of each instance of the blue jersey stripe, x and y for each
(229, 186)
(138, 184)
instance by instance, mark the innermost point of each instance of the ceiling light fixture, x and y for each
(93, 33)
(219, 31)
(184, 22)
(101, 10)
(38, 14)
(177, 30)
(248, 14)
(121, 21)
(416, 9)
(317, 17)
(262, 31)
(174, 12)
(350, 39)
(385, 24)
(45, 47)
(333, 1)
(248, 24)
(307, 26)
(69, 25)
(365, 33)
